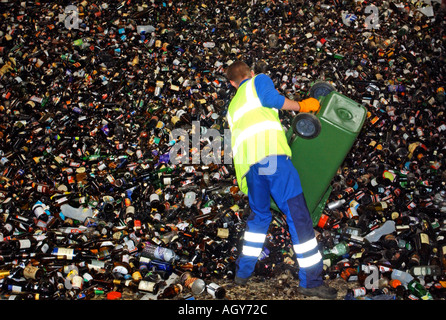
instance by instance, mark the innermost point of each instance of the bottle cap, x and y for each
(394, 283)
(323, 220)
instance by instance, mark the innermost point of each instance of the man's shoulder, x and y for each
(263, 80)
(262, 77)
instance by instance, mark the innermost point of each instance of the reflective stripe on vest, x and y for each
(256, 131)
(252, 102)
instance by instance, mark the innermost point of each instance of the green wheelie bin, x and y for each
(320, 143)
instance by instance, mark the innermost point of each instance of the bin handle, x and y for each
(289, 135)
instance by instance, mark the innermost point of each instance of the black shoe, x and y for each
(240, 281)
(323, 291)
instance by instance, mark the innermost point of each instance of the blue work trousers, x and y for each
(276, 177)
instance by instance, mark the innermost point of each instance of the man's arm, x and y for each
(306, 105)
(291, 105)
(268, 95)
(271, 98)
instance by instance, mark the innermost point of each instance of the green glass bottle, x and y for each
(340, 249)
(419, 290)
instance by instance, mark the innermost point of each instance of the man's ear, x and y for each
(252, 73)
(233, 83)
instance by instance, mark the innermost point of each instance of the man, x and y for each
(263, 167)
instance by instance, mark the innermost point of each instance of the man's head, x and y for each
(237, 72)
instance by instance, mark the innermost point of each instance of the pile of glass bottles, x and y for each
(94, 202)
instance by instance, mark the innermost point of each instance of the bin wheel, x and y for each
(306, 125)
(321, 89)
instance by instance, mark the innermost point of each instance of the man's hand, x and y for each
(309, 105)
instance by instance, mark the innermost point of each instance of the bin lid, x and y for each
(343, 112)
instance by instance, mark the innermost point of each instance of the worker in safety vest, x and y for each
(263, 167)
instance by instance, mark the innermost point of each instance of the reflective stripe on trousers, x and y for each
(253, 243)
(304, 248)
(283, 184)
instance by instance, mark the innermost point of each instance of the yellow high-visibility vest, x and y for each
(256, 131)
